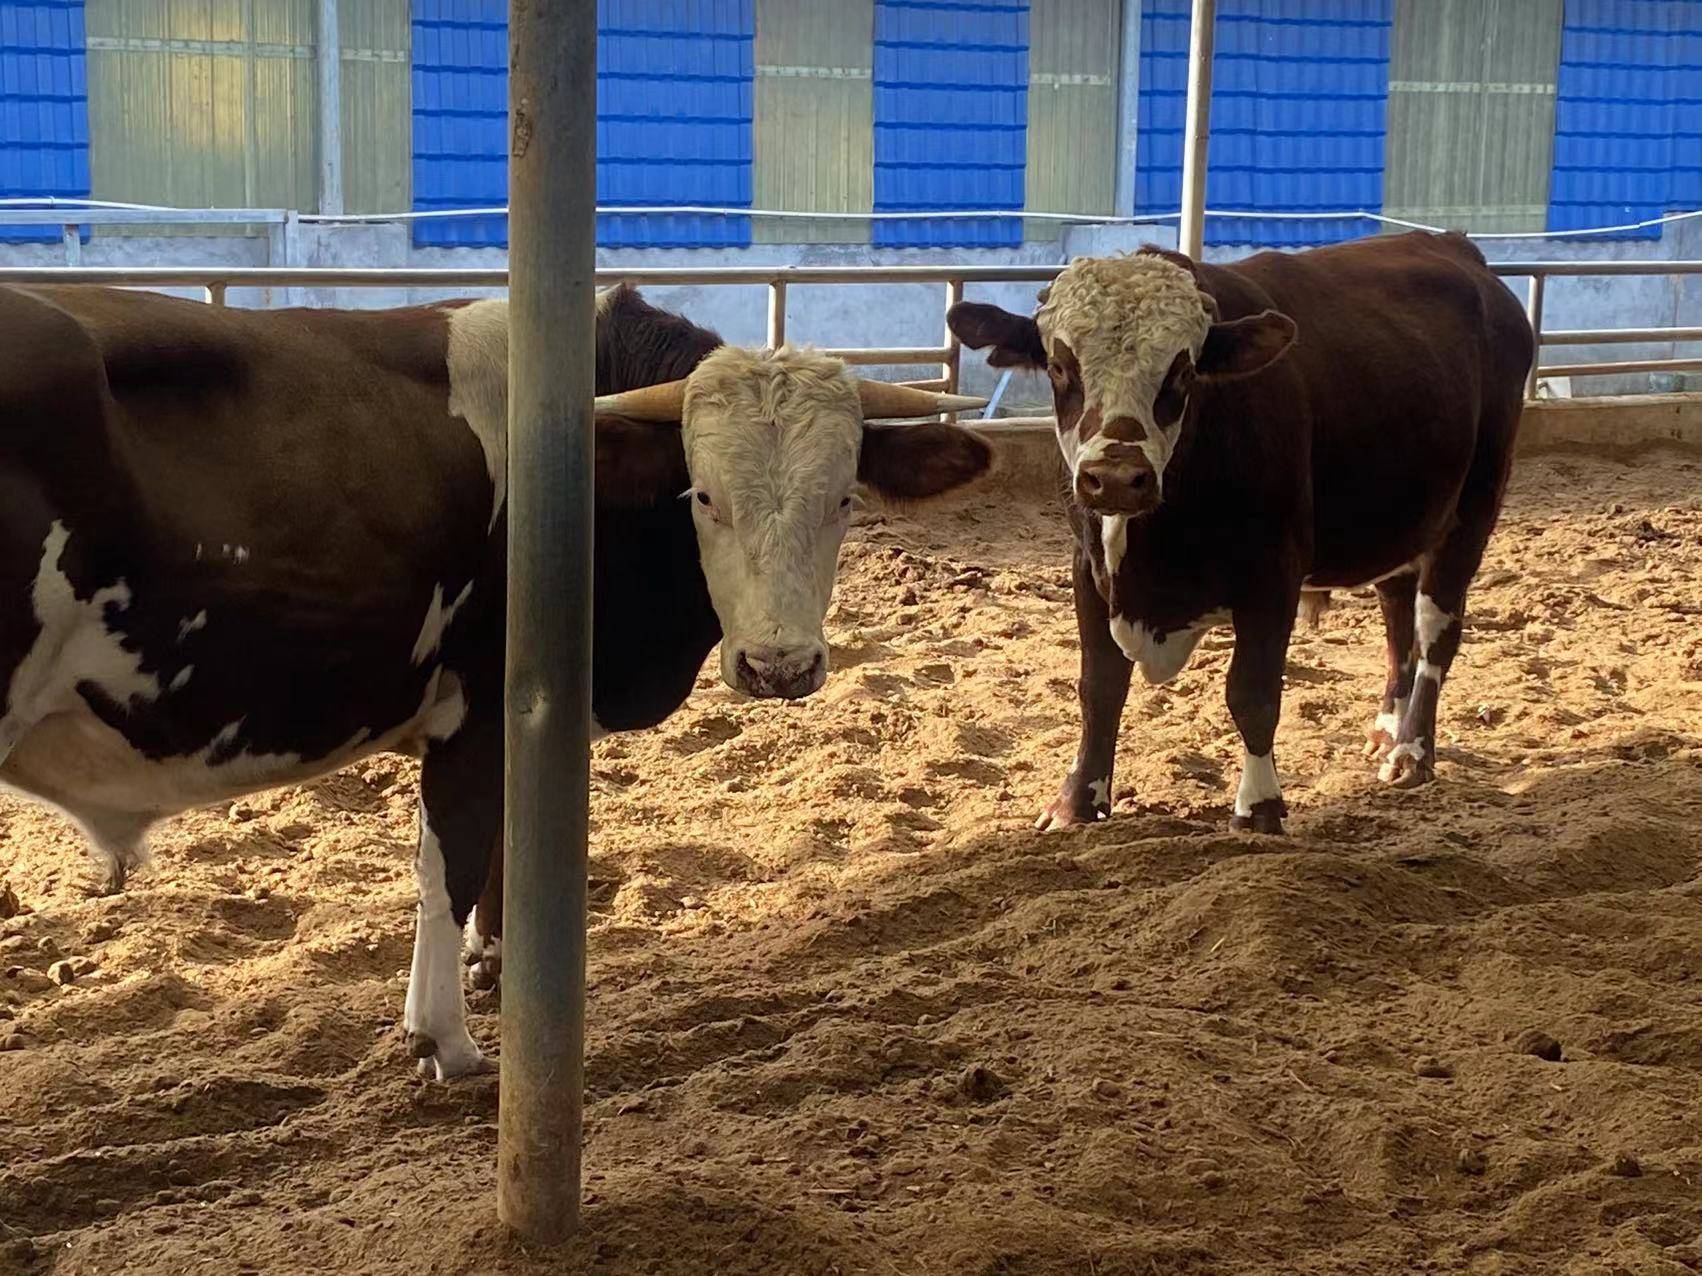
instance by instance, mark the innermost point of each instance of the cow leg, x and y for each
(1437, 617)
(483, 951)
(117, 842)
(460, 819)
(1085, 795)
(1255, 702)
(1397, 595)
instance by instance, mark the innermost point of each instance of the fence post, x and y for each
(1197, 132)
(329, 55)
(954, 359)
(1533, 312)
(776, 313)
(73, 240)
(215, 294)
(552, 183)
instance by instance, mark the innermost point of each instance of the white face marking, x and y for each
(771, 441)
(1258, 782)
(435, 1006)
(1125, 319)
(437, 621)
(1429, 623)
(189, 626)
(478, 385)
(1100, 791)
(1114, 534)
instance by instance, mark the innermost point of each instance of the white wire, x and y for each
(965, 214)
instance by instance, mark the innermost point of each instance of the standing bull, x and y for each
(1236, 434)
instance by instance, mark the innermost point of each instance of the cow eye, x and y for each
(703, 499)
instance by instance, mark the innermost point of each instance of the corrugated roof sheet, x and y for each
(951, 117)
(674, 106)
(1628, 115)
(44, 105)
(1299, 98)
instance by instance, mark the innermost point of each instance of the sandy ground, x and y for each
(849, 1015)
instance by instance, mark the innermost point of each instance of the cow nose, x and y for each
(1116, 485)
(788, 673)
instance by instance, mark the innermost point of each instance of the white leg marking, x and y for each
(1430, 621)
(1114, 534)
(1390, 723)
(1258, 782)
(435, 1007)
(1100, 790)
(1430, 671)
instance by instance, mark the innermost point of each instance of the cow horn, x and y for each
(664, 402)
(882, 400)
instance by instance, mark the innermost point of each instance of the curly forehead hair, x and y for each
(1117, 309)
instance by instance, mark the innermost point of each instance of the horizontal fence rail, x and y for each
(216, 281)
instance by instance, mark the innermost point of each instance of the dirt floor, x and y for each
(848, 1014)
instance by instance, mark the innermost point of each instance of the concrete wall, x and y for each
(911, 314)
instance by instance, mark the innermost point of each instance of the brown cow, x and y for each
(241, 549)
(1236, 434)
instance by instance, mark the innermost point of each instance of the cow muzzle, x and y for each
(1117, 480)
(786, 673)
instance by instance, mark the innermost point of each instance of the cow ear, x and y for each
(640, 464)
(914, 462)
(1015, 339)
(1243, 347)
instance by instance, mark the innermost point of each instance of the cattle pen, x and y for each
(786, 978)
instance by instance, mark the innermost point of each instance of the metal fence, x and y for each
(216, 281)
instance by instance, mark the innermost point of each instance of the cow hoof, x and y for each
(1265, 817)
(1062, 815)
(438, 1063)
(487, 974)
(1378, 744)
(1407, 767)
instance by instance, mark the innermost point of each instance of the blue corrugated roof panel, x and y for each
(674, 108)
(1628, 114)
(950, 117)
(1299, 104)
(44, 106)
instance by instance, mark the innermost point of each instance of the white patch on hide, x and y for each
(1430, 671)
(1258, 782)
(1114, 534)
(478, 386)
(435, 1006)
(74, 647)
(184, 674)
(189, 626)
(438, 618)
(1100, 791)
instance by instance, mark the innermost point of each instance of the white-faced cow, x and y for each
(241, 549)
(1236, 434)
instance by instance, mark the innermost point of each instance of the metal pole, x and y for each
(1191, 236)
(330, 58)
(776, 314)
(552, 183)
(1128, 107)
(952, 366)
(1533, 312)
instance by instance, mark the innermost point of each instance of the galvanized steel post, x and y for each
(329, 56)
(1533, 312)
(552, 183)
(1197, 129)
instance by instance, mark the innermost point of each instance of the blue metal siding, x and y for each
(951, 117)
(44, 105)
(1628, 114)
(674, 106)
(1299, 99)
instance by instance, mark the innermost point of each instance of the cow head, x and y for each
(774, 441)
(1127, 342)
